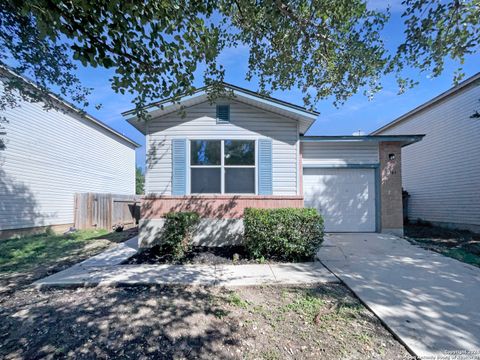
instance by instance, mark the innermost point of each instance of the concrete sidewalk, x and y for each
(106, 269)
(431, 302)
(217, 275)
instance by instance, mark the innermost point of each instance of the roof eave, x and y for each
(304, 114)
(404, 139)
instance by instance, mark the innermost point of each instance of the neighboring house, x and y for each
(50, 156)
(249, 151)
(442, 173)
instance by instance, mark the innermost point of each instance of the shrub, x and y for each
(289, 234)
(177, 233)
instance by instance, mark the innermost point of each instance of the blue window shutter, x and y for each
(179, 166)
(223, 113)
(265, 167)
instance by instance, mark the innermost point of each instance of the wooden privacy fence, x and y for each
(104, 211)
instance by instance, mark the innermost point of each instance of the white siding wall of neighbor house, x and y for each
(50, 156)
(442, 172)
(339, 153)
(199, 122)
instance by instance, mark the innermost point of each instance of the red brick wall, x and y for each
(214, 206)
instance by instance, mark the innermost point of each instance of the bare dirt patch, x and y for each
(270, 322)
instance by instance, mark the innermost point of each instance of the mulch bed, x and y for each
(233, 255)
(202, 255)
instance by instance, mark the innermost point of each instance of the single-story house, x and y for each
(249, 150)
(442, 172)
(51, 155)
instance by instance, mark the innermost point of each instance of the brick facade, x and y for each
(391, 187)
(214, 206)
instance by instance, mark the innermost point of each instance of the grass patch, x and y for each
(20, 254)
(463, 255)
(236, 300)
(28, 258)
(305, 304)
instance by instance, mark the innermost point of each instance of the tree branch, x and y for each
(96, 41)
(303, 23)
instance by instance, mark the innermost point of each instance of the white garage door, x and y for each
(345, 197)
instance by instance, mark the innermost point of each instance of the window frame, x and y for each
(222, 166)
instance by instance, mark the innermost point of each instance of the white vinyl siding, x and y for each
(339, 153)
(442, 172)
(50, 156)
(246, 123)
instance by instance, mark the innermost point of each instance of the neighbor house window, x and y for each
(222, 166)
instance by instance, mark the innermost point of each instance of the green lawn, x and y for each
(23, 253)
(28, 258)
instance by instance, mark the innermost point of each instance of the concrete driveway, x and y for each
(431, 302)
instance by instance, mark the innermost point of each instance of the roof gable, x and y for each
(304, 117)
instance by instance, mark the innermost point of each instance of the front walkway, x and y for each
(106, 269)
(431, 302)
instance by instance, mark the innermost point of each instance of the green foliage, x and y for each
(324, 48)
(236, 300)
(139, 181)
(153, 47)
(177, 232)
(285, 234)
(436, 30)
(305, 303)
(462, 255)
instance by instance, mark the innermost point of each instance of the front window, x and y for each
(206, 166)
(222, 167)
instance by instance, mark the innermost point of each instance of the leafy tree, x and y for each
(324, 48)
(139, 181)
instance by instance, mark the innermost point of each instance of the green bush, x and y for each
(289, 234)
(177, 233)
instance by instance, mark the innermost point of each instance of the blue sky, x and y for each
(358, 113)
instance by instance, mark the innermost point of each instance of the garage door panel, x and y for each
(345, 197)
